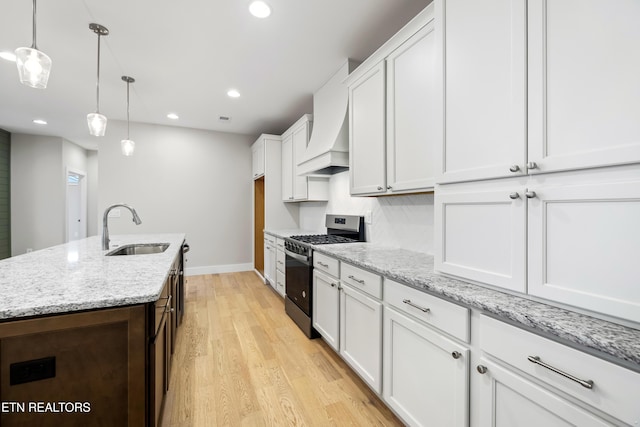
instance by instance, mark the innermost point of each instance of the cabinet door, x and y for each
(483, 237)
(257, 155)
(584, 90)
(367, 157)
(300, 139)
(326, 307)
(506, 399)
(270, 264)
(361, 335)
(287, 168)
(426, 375)
(280, 282)
(411, 118)
(483, 45)
(584, 243)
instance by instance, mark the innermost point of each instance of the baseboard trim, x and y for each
(216, 269)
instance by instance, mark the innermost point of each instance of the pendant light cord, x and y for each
(33, 45)
(127, 109)
(98, 79)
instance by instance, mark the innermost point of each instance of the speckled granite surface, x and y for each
(416, 270)
(77, 276)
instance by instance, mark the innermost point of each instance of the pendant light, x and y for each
(34, 66)
(127, 145)
(96, 121)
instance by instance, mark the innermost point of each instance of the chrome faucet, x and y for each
(105, 227)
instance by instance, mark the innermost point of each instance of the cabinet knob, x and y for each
(389, 187)
(456, 354)
(530, 194)
(514, 168)
(532, 165)
(481, 369)
(379, 187)
(514, 196)
(333, 285)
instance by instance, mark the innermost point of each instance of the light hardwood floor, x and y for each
(240, 361)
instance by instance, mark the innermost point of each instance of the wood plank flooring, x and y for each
(240, 361)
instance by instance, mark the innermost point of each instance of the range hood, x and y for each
(328, 149)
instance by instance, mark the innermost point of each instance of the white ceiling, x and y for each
(185, 55)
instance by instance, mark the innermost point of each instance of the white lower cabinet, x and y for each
(280, 266)
(426, 375)
(361, 335)
(326, 307)
(528, 380)
(507, 399)
(270, 259)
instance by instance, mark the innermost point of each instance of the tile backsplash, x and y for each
(398, 221)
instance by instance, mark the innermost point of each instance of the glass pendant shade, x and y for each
(97, 124)
(127, 147)
(33, 67)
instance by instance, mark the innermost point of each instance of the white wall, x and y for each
(398, 221)
(184, 181)
(37, 193)
(38, 189)
(92, 193)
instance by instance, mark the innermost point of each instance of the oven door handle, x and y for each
(300, 258)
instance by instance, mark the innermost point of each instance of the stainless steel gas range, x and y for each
(299, 265)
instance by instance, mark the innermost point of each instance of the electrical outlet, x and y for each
(367, 217)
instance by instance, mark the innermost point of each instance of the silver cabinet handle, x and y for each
(514, 168)
(456, 354)
(514, 196)
(584, 383)
(379, 187)
(280, 262)
(532, 165)
(481, 369)
(530, 194)
(389, 187)
(408, 302)
(355, 279)
(323, 264)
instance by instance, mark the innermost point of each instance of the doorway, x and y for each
(76, 205)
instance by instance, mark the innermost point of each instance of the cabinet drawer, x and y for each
(614, 391)
(280, 260)
(268, 238)
(450, 318)
(280, 283)
(280, 244)
(362, 280)
(326, 264)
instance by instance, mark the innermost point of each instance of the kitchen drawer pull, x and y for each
(408, 302)
(584, 383)
(355, 279)
(514, 196)
(456, 354)
(323, 264)
(482, 369)
(280, 262)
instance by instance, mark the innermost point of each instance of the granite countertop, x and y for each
(289, 232)
(606, 339)
(78, 276)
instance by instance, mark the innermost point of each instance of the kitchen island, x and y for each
(85, 338)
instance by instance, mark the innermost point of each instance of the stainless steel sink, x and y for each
(139, 249)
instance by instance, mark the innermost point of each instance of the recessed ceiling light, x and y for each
(39, 121)
(259, 9)
(9, 56)
(232, 93)
(173, 116)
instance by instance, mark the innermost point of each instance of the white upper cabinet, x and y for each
(411, 117)
(392, 120)
(584, 246)
(367, 163)
(483, 83)
(257, 155)
(296, 187)
(537, 86)
(584, 89)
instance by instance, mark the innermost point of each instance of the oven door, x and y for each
(298, 280)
